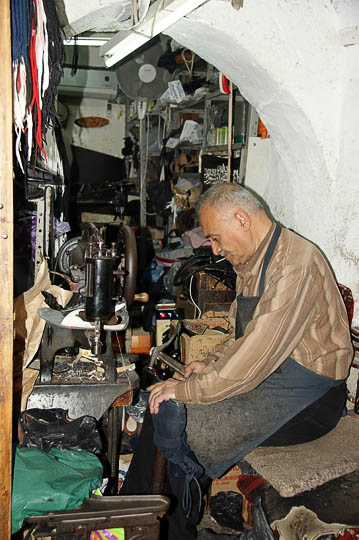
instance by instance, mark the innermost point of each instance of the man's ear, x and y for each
(243, 219)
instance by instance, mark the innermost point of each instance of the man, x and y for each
(279, 377)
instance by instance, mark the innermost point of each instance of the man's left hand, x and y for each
(163, 391)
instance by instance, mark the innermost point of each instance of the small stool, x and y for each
(137, 514)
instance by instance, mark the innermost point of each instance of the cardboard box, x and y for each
(227, 482)
(197, 347)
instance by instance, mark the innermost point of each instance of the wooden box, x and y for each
(211, 294)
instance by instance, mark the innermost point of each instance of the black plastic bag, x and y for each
(52, 428)
(226, 509)
(261, 529)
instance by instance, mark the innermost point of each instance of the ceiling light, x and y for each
(159, 18)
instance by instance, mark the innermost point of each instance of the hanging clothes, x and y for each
(37, 60)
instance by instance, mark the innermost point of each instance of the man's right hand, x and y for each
(193, 367)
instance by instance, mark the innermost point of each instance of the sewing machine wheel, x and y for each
(66, 253)
(130, 264)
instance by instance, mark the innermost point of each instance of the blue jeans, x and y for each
(252, 419)
(170, 439)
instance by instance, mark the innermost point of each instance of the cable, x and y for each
(160, 144)
(192, 300)
(160, 5)
(134, 12)
(189, 65)
(44, 228)
(75, 57)
(119, 346)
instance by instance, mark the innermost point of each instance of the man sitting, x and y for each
(278, 379)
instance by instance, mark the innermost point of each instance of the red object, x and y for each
(348, 301)
(35, 83)
(351, 533)
(224, 84)
(250, 486)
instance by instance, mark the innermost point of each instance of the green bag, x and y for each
(51, 481)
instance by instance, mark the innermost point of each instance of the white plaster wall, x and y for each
(108, 139)
(288, 59)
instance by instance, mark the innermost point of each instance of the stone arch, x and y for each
(288, 60)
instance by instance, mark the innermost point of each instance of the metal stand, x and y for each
(137, 514)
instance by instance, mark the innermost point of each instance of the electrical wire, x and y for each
(44, 228)
(119, 346)
(159, 142)
(189, 65)
(134, 12)
(192, 300)
(147, 144)
(160, 6)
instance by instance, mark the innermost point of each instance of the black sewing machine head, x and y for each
(98, 273)
(102, 278)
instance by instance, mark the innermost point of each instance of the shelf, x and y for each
(223, 147)
(185, 145)
(211, 148)
(187, 175)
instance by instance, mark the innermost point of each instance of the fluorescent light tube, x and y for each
(86, 41)
(159, 18)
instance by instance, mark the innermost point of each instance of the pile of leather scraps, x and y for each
(84, 365)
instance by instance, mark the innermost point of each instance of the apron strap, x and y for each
(268, 256)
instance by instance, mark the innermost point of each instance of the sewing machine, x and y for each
(103, 280)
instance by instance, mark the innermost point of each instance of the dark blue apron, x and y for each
(246, 305)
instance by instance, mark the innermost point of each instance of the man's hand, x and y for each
(193, 367)
(163, 391)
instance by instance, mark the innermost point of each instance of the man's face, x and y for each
(226, 233)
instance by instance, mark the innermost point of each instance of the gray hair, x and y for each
(224, 194)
